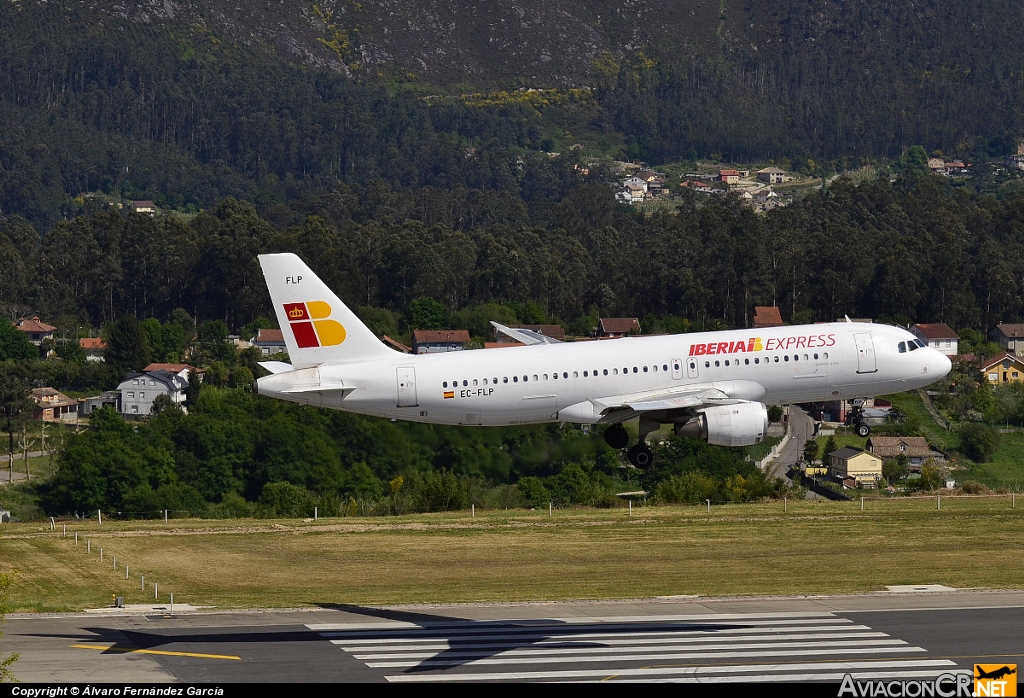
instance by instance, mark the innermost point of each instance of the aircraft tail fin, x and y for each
(317, 327)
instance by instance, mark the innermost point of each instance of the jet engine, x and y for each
(743, 424)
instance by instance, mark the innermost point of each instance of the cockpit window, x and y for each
(914, 344)
(902, 346)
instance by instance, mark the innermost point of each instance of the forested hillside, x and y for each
(189, 102)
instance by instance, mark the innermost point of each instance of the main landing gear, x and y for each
(639, 455)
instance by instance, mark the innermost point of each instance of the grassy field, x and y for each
(813, 548)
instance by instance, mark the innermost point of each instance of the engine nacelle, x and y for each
(744, 424)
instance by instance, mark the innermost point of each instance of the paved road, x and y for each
(801, 428)
(883, 635)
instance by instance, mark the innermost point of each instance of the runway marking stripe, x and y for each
(701, 617)
(860, 676)
(635, 657)
(167, 653)
(899, 665)
(491, 628)
(582, 651)
(563, 636)
(441, 645)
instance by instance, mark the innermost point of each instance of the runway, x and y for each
(872, 636)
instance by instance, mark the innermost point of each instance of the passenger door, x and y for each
(865, 353)
(407, 386)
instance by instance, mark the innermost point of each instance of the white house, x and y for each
(938, 336)
(139, 390)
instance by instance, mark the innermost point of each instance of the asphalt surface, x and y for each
(883, 635)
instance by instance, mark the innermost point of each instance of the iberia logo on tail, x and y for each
(311, 327)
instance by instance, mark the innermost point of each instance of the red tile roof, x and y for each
(92, 343)
(937, 330)
(33, 325)
(767, 316)
(618, 325)
(270, 336)
(440, 336)
(172, 368)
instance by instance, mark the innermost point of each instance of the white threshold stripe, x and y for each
(517, 649)
(490, 628)
(847, 666)
(571, 620)
(627, 657)
(754, 678)
(566, 637)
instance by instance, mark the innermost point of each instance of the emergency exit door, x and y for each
(865, 353)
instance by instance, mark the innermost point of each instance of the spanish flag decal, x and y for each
(448, 394)
(311, 327)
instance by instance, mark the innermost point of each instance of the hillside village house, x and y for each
(139, 390)
(93, 348)
(37, 331)
(865, 469)
(729, 176)
(1003, 368)
(767, 316)
(1009, 336)
(617, 326)
(771, 175)
(144, 207)
(938, 336)
(52, 405)
(914, 448)
(438, 341)
(270, 342)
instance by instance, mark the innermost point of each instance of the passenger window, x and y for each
(717, 364)
(615, 371)
(796, 357)
(496, 380)
(634, 370)
(757, 361)
(606, 372)
(707, 364)
(526, 379)
(445, 384)
(776, 359)
(485, 381)
(515, 379)
(902, 346)
(545, 376)
(575, 374)
(727, 362)
(645, 369)
(786, 357)
(746, 361)
(465, 383)
(585, 374)
(805, 357)
(825, 355)
(655, 367)
(505, 379)
(665, 367)
(555, 376)
(475, 382)
(565, 374)
(815, 357)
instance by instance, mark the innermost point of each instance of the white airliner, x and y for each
(709, 385)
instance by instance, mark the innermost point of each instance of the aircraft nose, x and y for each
(943, 365)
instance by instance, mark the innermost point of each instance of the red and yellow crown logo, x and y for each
(311, 327)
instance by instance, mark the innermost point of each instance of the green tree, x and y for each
(427, 314)
(71, 351)
(978, 442)
(15, 405)
(14, 344)
(811, 450)
(830, 445)
(127, 346)
(774, 414)
(897, 468)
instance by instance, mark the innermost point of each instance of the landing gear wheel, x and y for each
(863, 430)
(616, 436)
(640, 456)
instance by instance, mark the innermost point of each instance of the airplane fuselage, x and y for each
(561, 382)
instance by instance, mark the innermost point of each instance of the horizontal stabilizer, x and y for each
(527, 337)
(275, 366)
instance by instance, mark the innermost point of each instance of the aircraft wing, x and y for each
(621, 408)
(527, 337)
